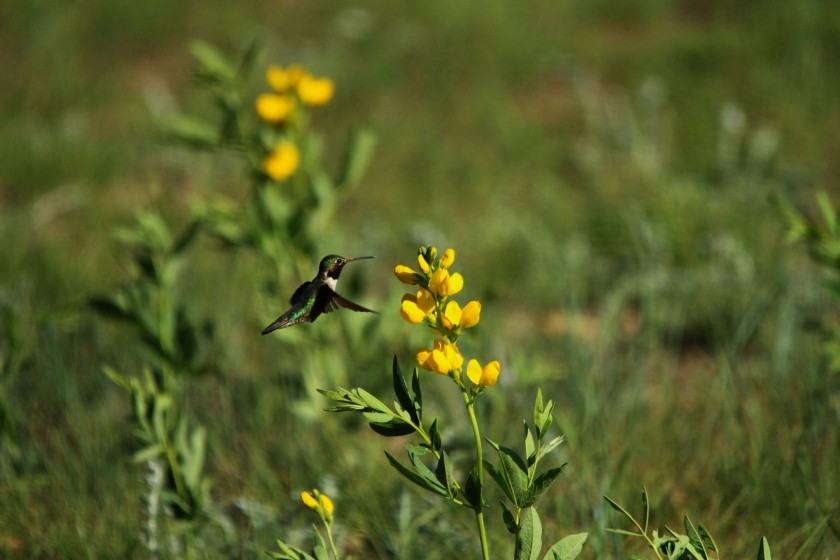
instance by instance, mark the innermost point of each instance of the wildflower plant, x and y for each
(430, 466)
(323, 506)
(292, 198)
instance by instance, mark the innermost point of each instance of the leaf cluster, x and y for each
(695, 544)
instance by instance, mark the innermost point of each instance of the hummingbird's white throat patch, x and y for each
(331, 282)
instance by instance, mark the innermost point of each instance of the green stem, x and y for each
(331, 541)
(479, 514)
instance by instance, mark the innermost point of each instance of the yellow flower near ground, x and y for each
(274, 108)
(315, 91)
(326, 503)
(486, 376)
(282, 162)
(308, 500)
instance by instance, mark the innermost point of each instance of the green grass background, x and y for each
(606, 172)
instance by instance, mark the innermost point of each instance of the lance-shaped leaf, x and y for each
(567, 548)
(511, 474)
(443, 473)
(472, 490)
(763, 550)
(426, 480)
(542, 483)
(403, 397)
(528, 536)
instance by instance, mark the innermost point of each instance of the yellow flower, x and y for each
(315, 91)
(405, 274)
(483, 377)
(424, 266)
(308, 500)
(326, 503)
(448, 258)
(274, 108)
(445, 285)
(282, 80)
(470, 315)
(282, 162)
(465, 318)
(320, 503)
(415, 308)
(443, 358)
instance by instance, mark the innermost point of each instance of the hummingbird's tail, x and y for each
(278, 324)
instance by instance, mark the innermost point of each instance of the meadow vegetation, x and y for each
(642, 199)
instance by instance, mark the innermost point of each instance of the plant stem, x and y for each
(479, 514)
(331, 541)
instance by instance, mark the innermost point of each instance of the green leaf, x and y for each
(394, 428)
(528, 536)
(540, 485)
(530, 447)
(148, 453)
(514, 473)
(623, 511)
(320, 549)
(418, 394)
(378, 417)
(472, 490)
(694, 537)
(443, 473)
(213, 63)
(402, 394)
(371, 401)
(829, 215)
(434, 435)
(567, 548)
(706, 538)
(356, 159)
(507, 518)
(500, 479)
(763, 550)
(432, 485)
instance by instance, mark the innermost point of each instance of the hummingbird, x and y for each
(317, 296)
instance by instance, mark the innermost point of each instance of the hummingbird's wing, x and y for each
(337, 301)
(299, 292)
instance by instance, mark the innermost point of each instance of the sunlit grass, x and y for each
(631, 269)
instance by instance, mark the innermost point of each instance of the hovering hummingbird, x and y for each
(317, 296)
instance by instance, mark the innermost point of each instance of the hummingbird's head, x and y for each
(331, 265)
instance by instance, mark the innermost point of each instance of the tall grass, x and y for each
(613, 175)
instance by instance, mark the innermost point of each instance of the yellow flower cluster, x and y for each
(292, 86)
(318, 502)
(431, 305)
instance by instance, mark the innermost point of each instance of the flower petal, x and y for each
(490, 374)
(274, 108)
(411, 312)
(453, 312)
(405, 274)
(470, 315)
(474, 371)
(315, 91)
(448, 258)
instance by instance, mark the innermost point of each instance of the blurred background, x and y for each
(608, 173)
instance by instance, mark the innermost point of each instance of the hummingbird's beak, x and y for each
(357, 258)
